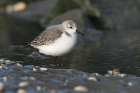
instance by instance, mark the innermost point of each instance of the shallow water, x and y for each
(116, 49)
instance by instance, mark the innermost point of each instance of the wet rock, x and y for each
(81, 88)
(119, 15)
(99, 20)
(76, 15)
(106, 15)
(87, 8)
(94, 14)
(59, 9)
(1, 87)
(23, 84)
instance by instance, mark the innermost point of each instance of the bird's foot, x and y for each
(56, 65)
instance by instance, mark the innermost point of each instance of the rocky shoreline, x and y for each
(93, 17)
(16, 78)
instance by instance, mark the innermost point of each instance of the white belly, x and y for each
(61, 46)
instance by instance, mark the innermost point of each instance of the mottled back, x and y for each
(48, 36)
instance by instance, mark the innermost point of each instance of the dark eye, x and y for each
(70, 27)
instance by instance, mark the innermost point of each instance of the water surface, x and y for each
(116, 49)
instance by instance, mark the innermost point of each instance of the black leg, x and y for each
(56, 61)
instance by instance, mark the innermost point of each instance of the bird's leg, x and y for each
(56, 61)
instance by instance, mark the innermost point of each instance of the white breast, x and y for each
(61, 46)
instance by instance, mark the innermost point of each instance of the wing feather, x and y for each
(47, 37)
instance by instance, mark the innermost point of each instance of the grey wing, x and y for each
(46, 37)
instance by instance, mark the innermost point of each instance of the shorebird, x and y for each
(57, 40)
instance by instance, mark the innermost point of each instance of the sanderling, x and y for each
(57, 40)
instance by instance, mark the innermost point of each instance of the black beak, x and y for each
(80, 33)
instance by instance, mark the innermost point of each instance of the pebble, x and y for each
(52, 91)
(35, 55)
(5, 78)
(1, 87)
(35, 69)
(31, 78)
(2, 60)
(122, 75)
(92, 79)
(37, 66)
(5, 67)
(8, 61)
(38, 88)
(13, 62)
(1, 66)
(109, 72)
(81, 88)
(19, 6)
(43, 69)
(65, 84)
(97, 74)
(23, 84)
(106, 75)
(130, 84)
(84, 75)
(116, 71)
(19, 65)
(93, 74)
(21, 91)
(28, 66)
